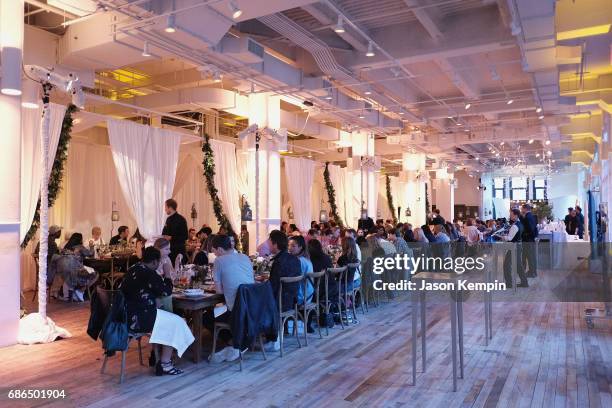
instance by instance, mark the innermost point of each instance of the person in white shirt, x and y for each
(96, 240)
(514, 235)
(472, 235)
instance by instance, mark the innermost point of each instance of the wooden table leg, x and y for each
(197, 333)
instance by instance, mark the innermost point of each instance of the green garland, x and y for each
(331, 196)
(390, 200)
(57, 171)
(209, 175)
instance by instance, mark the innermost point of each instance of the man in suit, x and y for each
(530, 233)
(579, 222)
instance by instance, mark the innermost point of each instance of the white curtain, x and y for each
(300, 173)
(184, 172)
(337, 178)
(31, 167)
(244, 164)
(146, 160)
(225, 180)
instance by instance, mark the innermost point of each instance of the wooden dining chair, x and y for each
(312, 305)
(352, 294)
(285, 316)
(339, 275)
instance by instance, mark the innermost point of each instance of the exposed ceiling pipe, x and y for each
(52, 9)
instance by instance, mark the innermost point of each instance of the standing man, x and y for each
(175, 230)
(515, 235)
(570, 221)
(579, 222)
(530, 233)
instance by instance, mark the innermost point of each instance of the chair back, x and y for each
(315, 278)
(352, 268)
(284, 281)
(339, 274)
(105, 298)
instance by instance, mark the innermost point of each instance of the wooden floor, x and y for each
(542, 355)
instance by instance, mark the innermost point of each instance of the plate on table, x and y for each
(193, 292)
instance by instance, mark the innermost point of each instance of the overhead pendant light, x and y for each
(29, 99)
(370, 52)
(449, 117)
(530, 141)
(468, 106)
(145, 49)
(510, 102)
(538, 109)
(171, 24)
(217, 77)
(459, 124)
(236, 12)
(339, 28)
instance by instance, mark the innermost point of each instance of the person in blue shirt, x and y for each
(297, 247)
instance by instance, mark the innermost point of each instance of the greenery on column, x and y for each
(209, 175)
(57, 171)
(331, 196)
(392, 208)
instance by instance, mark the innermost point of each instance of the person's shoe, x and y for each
(78, 294)
(233, 354)
(272, 346)
(220, 356)
(522, 285)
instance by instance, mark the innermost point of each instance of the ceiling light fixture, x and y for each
(549, 153)
(145, 49)
(368, 91)
(510, 102)
(541, 117)
(339, 28)
(361, 115)
(468, 106)
(370, 52)
(538, 109)
(530, 141)
(547, 142)
(236, 12)
(217, 77)
(329, 95)
(537, 154)
(502, 143)
(402, 112)
(171, 24)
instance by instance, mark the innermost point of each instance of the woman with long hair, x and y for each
(297, 247)
(349, 256)
(77, 278)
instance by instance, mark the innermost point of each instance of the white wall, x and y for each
(467, 192)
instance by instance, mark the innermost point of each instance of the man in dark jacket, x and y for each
(175, 231)
(530, 233)
(579, 222)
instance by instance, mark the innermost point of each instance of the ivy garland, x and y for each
(390, 200)
(331, 196)
(57, 171)
(209, 175)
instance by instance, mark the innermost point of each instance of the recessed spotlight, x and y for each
(496, 154)
(541, 117)
(171, 24)
(531, 141)
(547, 142)
(468, 106)
(339, 28)
(510, 102)
(361, 116)
(370, 52)
(449, 117)
(538, 110)
(459, 124)
(236, 12)
(329, 95)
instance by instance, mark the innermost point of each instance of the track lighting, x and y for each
(236, 12)
(370, 52)
(171, 24)
(339, 28)
(145, 49)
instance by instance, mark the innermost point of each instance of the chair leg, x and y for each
(214, 345)
(305, 327)
(339, 305)
(104, 364)
(318, 314)
(139, 340)
(327, 309)
(282, 333)
(353, 307)
(122, 374)
(240, 352)
(261, 345)
(295, 327)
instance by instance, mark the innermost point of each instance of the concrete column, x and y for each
(445, 194)
(11, 30)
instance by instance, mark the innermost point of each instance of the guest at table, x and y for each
(122, 236)
(579, 222)
(77, 278)
(293, 230)
(204, 235)
(192, 242)
(284, 227)
(96, 240)
(472, 235)
(312, 234)
(138, 241)
(141, 286)
(244, 239)
(570, 221)
(283, 265)
(231, 269)
(297, 247)
(349, 256)
(165, 270)
(175, 230)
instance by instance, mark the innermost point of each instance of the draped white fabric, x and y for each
(145, 159)
(31, 166)
(244, 164)
(186, 167)
(300, 174)
(337, 178)
(225, 180)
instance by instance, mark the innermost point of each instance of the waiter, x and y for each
(175, 230)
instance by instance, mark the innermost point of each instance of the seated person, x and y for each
(297, 247)
(77, 277)
(139, 242)
(141, 286)
(192, 243)
(231, 269)
(122, 237)
(96, 240)
(165, 270)
(349, 256)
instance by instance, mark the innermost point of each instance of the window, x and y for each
(539, 189)
(498, 187)
(518, 188)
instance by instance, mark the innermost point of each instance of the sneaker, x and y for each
(272, 346)
(232, 354)
(79, 295)
(220, 356)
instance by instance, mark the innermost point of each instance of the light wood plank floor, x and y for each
(542, 355)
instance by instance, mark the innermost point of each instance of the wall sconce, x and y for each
(408, 212)
(194, 214)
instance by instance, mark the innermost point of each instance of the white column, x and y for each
(445, 194)
(11, 30)
(264, 110)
